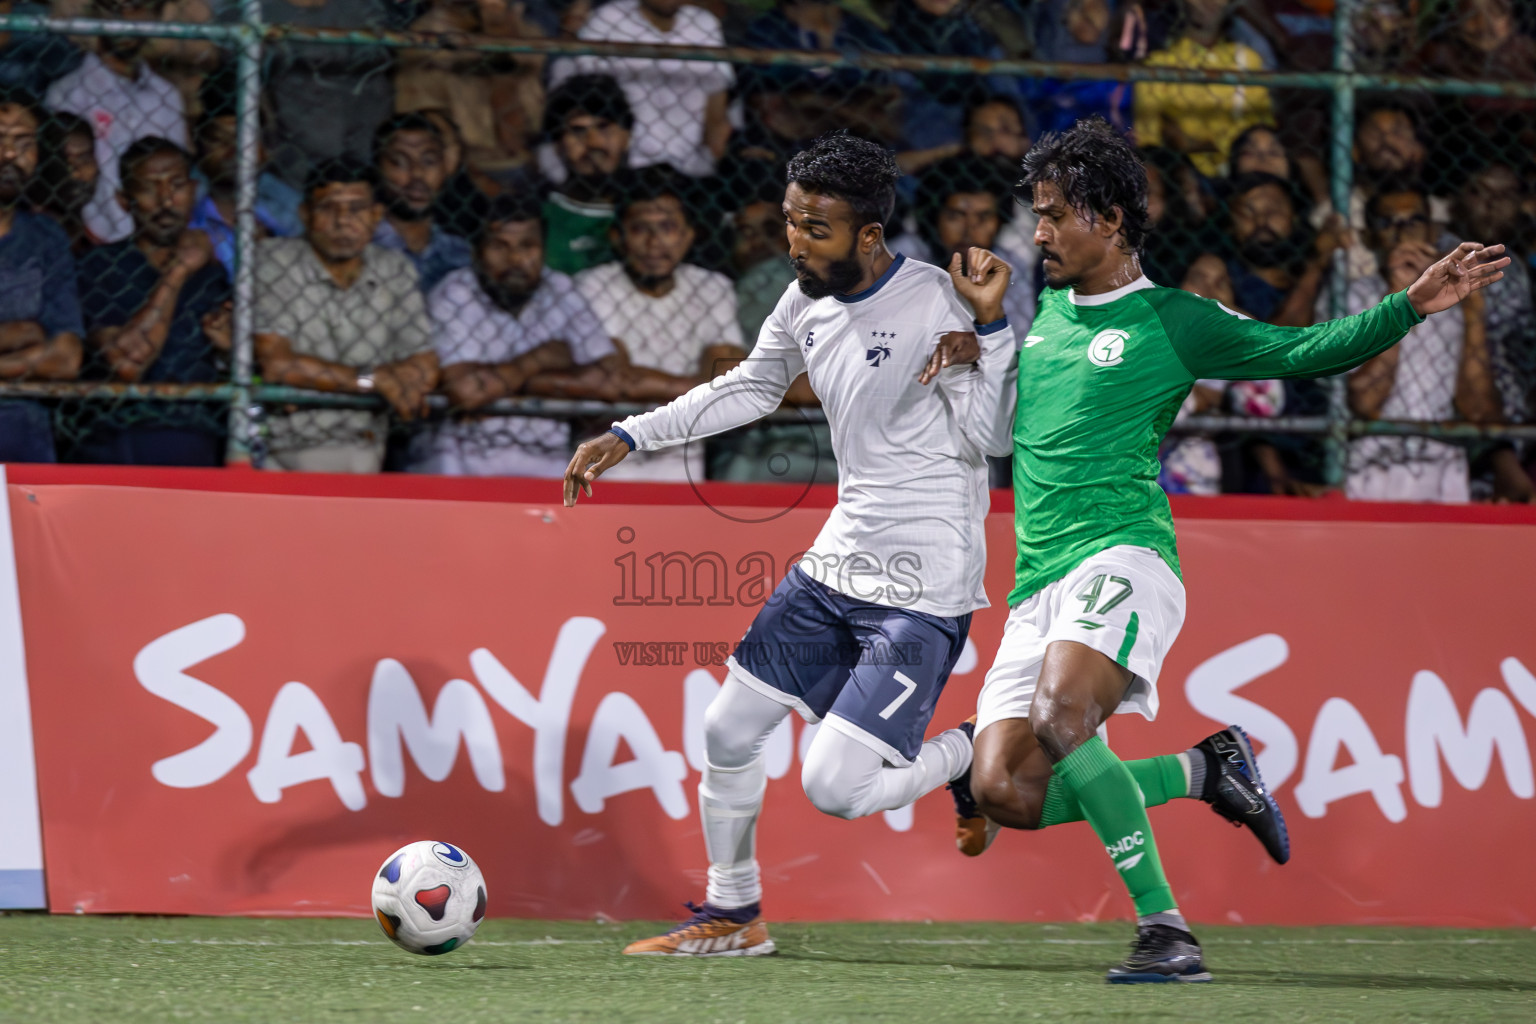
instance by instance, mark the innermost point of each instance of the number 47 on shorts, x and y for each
(1118, 587)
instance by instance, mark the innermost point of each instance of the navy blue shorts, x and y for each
(875, 668)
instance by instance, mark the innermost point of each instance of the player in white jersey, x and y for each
(861, 635)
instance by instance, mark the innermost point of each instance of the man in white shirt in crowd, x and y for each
(674, 324)
(124, 101)
(1439, 371)
(499, 324)
(888, 346)
(679, 105)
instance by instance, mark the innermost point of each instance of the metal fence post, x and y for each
(246, 445)
(1341, 180)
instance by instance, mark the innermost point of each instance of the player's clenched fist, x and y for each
(981, 279)
(592, 459)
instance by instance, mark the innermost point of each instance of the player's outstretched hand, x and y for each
(953, 349)
(592, 459)
(982, 280)
(1470, 266)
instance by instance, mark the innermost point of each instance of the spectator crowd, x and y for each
(482, 225)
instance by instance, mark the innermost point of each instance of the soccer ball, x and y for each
(429, 897)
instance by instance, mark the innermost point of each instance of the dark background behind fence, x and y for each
(453, 236)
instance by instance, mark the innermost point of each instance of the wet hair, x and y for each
(647, 184)
(842, 166)
(414, 122)
(509, 208)
(141, 150)
(1097, 171)
(338, 171)
(598, 96)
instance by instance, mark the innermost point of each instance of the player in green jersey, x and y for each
(1106, 363)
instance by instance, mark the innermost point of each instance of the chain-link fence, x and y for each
(448, 236)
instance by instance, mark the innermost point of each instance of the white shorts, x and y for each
(1123, 602)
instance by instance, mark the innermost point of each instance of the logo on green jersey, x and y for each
(1107, 348)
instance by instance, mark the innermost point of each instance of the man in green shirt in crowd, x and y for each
(590, 121)
(1103, 370)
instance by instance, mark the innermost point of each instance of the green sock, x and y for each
(1111, 802)
(1160, 779)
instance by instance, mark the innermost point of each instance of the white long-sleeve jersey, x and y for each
(908, 528)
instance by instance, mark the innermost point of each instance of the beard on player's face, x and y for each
(841, 276)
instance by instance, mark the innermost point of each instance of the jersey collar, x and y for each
(880, 282)
(1106, 298)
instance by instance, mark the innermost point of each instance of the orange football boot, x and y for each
(710, 932)
(974, 831)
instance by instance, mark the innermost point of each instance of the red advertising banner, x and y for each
(243, 701)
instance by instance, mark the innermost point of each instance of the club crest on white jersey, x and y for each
(1107, 348)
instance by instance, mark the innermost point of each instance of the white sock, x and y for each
(729, 802)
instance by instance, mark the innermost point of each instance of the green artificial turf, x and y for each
(67, 969)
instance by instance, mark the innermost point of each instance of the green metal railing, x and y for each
(249, 37)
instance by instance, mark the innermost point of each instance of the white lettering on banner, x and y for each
(1209, 690)
(1520, 682)
(297, 707)
(397, 717)
(549, 714)
(1434, 729)
(160, 668)
(653, 767)
(1339, 724)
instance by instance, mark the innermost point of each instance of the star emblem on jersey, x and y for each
(1107, 348)
(877, 353)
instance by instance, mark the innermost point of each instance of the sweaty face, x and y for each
(510, 260)
(1387, 143)
(1072, 244)
(592, 145)
(759, 235)
(340, 219)
(1262, 151)
(823, 242)
(654, 237)
(1397, 218)
(967, 219)
(411, 172)
(997, 133)
(1489, 206)
(18, 152)
(159, 195)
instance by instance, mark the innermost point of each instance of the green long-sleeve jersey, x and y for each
(1101, 378)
